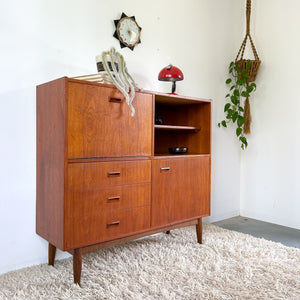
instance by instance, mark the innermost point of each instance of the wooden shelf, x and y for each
(175, 127)
(186, 122)
(169, 155)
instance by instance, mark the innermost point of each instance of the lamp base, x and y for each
(173, 87)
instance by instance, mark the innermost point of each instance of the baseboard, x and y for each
(220, 217)
(40, 260)
(270, 219)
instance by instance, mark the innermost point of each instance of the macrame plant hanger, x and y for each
(243, 64)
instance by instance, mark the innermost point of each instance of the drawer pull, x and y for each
(113, 198)
(115, 100)
(110, 174)
(165, 169)
(113, 223)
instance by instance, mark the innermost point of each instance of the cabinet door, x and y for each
(100, 122)
(181, 189)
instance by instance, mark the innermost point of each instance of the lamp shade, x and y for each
(170, 73)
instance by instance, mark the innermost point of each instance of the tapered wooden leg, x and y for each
(199, 230)
(77, 262)
(168, 232)
(51, 254)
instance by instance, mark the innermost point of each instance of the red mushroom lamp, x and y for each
(171, 73)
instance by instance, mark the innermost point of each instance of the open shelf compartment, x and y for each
(184, 122)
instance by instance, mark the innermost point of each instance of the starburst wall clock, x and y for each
(128, 32)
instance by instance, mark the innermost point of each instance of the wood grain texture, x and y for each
(90, 230)
(95, 175)
(51, 254)
(199, 231)
(205, 124)
(87, 202)
(182, 191)
(194, 117)
(169, 139)
(77, 265)
(134, 236)
(50, 160)
(100, 179)
(176, 99)
(107, 159)
(99, 127)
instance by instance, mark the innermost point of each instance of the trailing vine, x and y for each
(240, 91)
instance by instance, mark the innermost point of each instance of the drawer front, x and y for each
(92, 202)
(100, 123)
(94, 229)
(102, 174)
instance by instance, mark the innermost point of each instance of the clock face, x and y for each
(128, 32)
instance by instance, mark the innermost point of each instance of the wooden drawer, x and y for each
(92, 202)
(100, 122)
(94, 229)
(101, 174)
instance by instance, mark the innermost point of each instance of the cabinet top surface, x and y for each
(159, 97)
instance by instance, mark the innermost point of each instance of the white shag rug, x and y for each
(228, 265)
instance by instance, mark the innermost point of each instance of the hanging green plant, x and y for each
(237, 100)
(242, 71)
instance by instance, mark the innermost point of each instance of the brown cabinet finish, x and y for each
(87, 202)
(99, 174)
(100, 123)
(105, 177)
(181, 189)
(186, 123)
(94, 229)
(51, 161)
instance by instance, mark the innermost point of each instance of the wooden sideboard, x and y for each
(105, 177)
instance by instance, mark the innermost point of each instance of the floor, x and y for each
(285, 235)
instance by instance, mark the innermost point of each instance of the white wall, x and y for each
(44, 40)
(270, 183)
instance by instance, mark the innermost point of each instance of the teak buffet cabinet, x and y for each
(105, 177)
